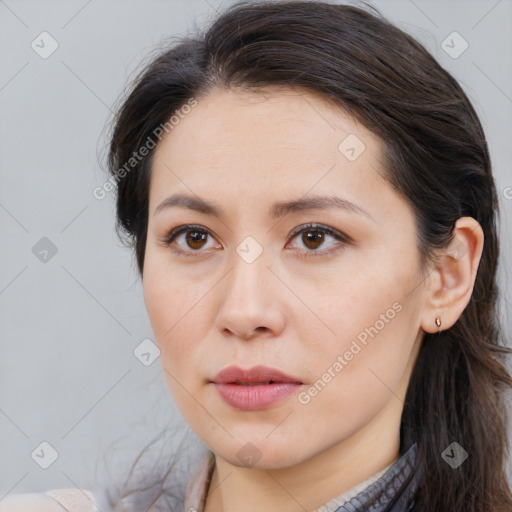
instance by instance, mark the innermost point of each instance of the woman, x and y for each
(310, 201)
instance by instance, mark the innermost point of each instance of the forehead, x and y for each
(273, 141)
(226, 116)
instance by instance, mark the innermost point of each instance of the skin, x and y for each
(244, 151)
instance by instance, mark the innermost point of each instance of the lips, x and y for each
(254, 376)
(255, 388)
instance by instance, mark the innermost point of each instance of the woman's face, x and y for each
(335, 307)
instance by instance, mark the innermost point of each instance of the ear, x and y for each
(451, 281)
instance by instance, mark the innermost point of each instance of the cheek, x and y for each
(170, 296)
(351, 380)
(370, 355)
(370, 320)
(181, 317)
(176, 314)
(178, 320)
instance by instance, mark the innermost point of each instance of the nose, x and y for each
(251, 301)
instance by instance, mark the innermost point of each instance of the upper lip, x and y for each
(256, 374)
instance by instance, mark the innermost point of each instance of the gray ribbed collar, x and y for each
(392, 492)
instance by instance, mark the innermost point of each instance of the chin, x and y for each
(261, 453)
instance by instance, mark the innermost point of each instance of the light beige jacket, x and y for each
(54, 500)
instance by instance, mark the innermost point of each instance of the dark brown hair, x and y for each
(436, 157)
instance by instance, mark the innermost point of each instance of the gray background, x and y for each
(68, 374)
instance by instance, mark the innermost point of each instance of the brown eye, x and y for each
(195, 239)
(312, 239)
(189, 240)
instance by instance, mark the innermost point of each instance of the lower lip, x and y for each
(252, 398)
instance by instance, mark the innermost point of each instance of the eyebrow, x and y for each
(276, 211)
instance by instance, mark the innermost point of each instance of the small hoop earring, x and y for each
(438, 321)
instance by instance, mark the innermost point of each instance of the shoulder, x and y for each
(33, 501)
(54, 500)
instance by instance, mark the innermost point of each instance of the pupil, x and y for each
(315, 237)
(195, 237)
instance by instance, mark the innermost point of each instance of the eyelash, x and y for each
(344, 239)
